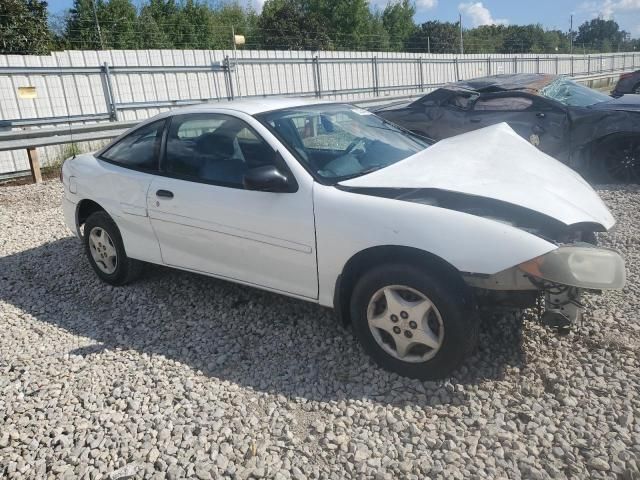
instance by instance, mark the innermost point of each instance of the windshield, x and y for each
(573, 94)
(337, 142)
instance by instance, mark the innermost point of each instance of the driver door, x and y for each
(206, 221)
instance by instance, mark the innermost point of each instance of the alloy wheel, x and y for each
(622, 160)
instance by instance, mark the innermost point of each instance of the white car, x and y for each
(332, 204)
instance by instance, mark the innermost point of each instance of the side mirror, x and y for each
(266, 179)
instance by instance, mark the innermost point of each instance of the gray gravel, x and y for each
(183, 376)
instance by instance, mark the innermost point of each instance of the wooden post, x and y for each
(34, 164)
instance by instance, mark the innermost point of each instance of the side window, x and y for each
(214, 148)
(503, 104)
(140, 149)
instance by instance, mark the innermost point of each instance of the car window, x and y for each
(511, 104)
(573, 94)
(337, 142)
(214, 148)
(140, 149)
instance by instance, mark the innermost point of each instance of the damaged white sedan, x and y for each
(332, 204)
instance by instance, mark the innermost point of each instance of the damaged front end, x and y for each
(559, 276)
(556, 279)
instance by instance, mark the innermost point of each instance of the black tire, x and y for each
(449, 296)
(616, 159)
(127, 269)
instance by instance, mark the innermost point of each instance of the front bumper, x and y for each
(561, 275)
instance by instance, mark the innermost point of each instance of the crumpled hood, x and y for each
(628, 102)
(495, 162)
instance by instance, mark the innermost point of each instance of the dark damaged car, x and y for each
(592, 132)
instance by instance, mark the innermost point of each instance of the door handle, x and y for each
(164, 194)
(540, 115)
(474, 120)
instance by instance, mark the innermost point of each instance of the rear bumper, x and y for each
(69, 208)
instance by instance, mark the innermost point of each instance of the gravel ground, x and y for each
(183, 376)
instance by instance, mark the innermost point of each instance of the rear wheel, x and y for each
(105, 250)
(617, 159)
(413, 323)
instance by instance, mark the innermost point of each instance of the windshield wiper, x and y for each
(361, 173)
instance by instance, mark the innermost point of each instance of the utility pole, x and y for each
(461, 40)
(95, 18)
(571, 35)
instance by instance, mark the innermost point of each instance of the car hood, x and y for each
(627, 102)
(495, 163)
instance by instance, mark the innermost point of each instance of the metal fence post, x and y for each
(420, 75)
(588, 64)
(488, 65)
(455, 61)
(601, 69)
(556, 65)
(515, 64)
(109, 94)
(538, 64)
(228, 77)
(624, 61)
(316, 76)
(572, 68)
(374, 66)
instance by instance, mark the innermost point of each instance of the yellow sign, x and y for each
(27, 92)
(239, 39)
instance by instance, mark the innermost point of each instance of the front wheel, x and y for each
(412, 322)
(105, 250)
(617, 159)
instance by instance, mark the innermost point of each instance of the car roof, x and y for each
(529, 82)
(252, 106)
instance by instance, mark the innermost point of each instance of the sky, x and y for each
(553, 14)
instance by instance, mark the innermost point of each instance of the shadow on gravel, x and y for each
(243, 335)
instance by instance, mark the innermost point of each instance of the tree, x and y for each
(435, 36)
(23, 27)
(604, 35)
(156, 23)
(289, 24)
(349, 23)
(81, 32)
(118, 22)
(397, 20)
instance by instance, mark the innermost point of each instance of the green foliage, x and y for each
(290, 24)
(282, 24)
(397, 20)
(23, 27)
(604, 35)
(435, 37)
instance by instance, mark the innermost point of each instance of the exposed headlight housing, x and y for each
(581, 265)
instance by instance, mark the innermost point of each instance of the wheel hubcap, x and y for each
(405, 323)
(103, 251)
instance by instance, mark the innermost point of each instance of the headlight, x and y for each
(579, 266)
